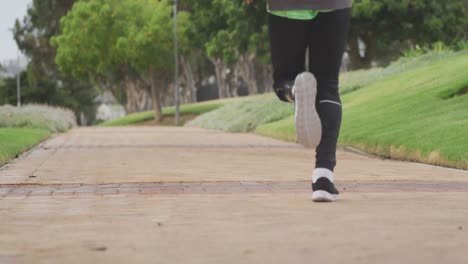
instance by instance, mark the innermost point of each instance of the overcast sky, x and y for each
(10, 10)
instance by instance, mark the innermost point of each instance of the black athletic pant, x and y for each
(325, 37)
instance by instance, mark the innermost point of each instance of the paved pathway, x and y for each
(179, 195)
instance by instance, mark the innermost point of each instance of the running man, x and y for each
(321, 27)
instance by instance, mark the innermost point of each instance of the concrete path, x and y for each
(184, 195)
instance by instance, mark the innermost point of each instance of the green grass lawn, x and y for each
(14, 141)
(355, 80)
(188, 109)
(413, 115)
(419, 115)
(282, 129)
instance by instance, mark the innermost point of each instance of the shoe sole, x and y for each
(308, 124)
(324, 196)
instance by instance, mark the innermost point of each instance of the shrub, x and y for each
(436, 47)
(461, 44)
(245, 115)
(54, 119)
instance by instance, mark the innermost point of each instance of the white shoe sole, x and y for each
(324, 196)
(308, 124)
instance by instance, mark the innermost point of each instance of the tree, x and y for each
(104, 41)
(381, 24)
(231, 34)
(149, 47)
(248, 27)
(87, 50)
(33, 36)
(207, 32)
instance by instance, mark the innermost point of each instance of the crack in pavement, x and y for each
(222, 187)
(176, 146)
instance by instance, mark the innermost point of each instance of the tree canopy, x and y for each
(43, 83)
(404, 23)
(102, 39)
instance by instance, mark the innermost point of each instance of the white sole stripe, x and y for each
(329, 101)
(324, 196)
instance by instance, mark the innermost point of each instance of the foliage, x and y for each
(53, 119)
(47, 91)
(461, 44)
(427, 20)
(437, 47)
(86, 47)
(228, 28)
(34, 32)
(43, 83)
(227, 32)
(388, 26)
(102, 40)
(14, 141)
(245, 115)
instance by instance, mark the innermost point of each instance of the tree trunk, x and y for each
(137, 96)
(247, 72)
(189, 78)
(235, 82)
(221, 80)
(358, 61)
(265, 77)
(155, 94)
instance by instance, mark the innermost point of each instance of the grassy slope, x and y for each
(406, 116)
(256, 111)
(409, 111)
(282, 129)
(188, 109)
(352, 81)
(14, 141)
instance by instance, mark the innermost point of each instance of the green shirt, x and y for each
(296, 14)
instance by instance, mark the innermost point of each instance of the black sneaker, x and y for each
(323, 189)
(284, 91)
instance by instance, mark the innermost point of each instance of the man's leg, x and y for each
(327, 40)
(288, 47)
(288, 43)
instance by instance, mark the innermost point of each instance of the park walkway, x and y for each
(186, 195)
